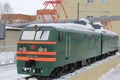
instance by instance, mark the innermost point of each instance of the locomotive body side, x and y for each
(109, 43)
(77, 46)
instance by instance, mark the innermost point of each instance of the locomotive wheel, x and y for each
(57, 72)
(78, 64)
(71, 67)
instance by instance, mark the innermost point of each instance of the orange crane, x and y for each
(53, 12)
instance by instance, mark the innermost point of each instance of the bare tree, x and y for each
(7, 8)
(7, 11)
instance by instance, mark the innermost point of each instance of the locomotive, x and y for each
(51, 50)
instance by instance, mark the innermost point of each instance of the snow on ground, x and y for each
(9, 72)
(113, 74)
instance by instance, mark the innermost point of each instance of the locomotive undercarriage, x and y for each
(62, 70)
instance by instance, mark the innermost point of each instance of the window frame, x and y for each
(89, 1)
(104, 1)
(33, 35)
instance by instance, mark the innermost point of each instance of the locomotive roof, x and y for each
(71, 27)
(66, 26)
(102, 30)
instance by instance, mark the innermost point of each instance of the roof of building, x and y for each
(46, 12)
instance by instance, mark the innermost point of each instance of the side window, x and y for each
(89, 1)
(104, 1)
(60, 36)
(42, 35)
(38, 17)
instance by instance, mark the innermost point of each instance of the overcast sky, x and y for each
(25, 6)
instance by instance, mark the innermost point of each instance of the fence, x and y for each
(7, 55)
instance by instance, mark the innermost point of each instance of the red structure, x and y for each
(54, 4)
(108, 25)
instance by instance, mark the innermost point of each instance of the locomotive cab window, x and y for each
(35, 35)
(28, 35)
(42, 35)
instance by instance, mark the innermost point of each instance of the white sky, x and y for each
(25, 6)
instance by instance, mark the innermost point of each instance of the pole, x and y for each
(78, 10)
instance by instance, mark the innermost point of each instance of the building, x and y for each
(47, 14)
(22, 18)
(17, 18)
(11, 38)
(92, 8)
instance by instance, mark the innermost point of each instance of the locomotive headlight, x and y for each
(24, 49)
(20, 49)
(45, 49)
(40, 49)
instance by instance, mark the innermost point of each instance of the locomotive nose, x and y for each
(30, 63)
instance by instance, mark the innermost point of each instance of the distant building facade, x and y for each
(17, 18)
(22, 18)
(46, 13)
(92, 8)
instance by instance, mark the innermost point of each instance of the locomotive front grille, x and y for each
(30, 63)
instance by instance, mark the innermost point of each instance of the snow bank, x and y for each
(9, 72)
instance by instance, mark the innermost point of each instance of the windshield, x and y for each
(33, 35)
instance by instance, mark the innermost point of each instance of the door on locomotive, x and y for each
(68, 46)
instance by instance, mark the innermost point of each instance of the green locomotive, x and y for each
(54, 49)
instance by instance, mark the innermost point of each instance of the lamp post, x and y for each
(78, 10)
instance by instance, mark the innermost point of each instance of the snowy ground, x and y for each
(9, 72)
(8, 69)
(113, 74)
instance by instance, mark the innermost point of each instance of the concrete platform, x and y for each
(97, 72)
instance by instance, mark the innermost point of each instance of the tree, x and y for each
(7, 8)
(5, 12)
